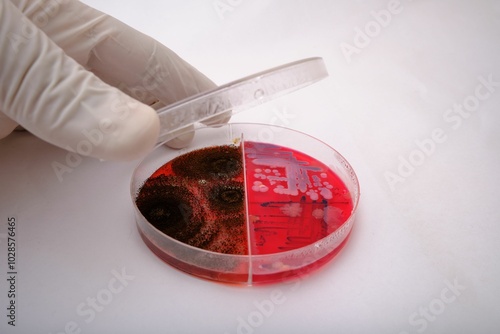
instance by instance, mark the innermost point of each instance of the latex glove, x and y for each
(65, 68)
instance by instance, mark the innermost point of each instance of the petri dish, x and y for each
(234, 207)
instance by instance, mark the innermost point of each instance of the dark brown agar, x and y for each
(198, 198)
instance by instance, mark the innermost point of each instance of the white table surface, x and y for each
(424, 253)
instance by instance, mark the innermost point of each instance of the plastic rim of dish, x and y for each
(239, 95)
(248, 269)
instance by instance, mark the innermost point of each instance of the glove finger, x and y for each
(149, 68)
(115, 52)
(53, 97)
(7, 125)
(143, 67)
(182, 140)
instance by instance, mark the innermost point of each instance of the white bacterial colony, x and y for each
(280, 171)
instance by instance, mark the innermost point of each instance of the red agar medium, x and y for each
(293, 199)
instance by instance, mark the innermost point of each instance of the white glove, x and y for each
(64, 72)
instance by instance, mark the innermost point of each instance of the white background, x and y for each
(437, 226)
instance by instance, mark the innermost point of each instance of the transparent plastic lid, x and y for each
(239, 95)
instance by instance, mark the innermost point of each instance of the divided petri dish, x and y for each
(237, 205)
(236, 209)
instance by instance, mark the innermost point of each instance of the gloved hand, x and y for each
(72, 75)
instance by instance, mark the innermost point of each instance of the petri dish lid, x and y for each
(239, 95)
